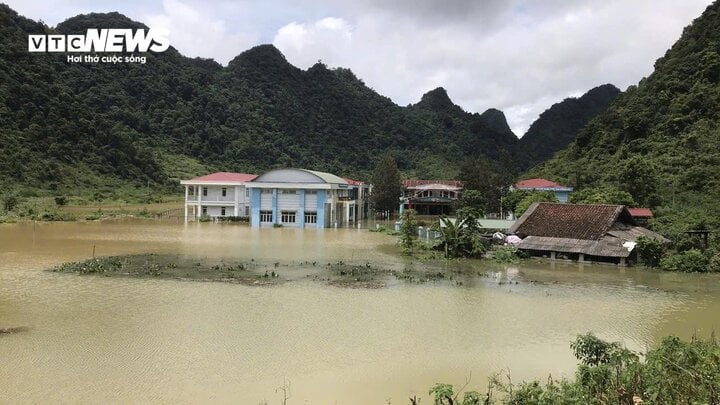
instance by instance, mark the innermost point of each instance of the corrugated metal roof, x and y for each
(298, 176)
(606, 247)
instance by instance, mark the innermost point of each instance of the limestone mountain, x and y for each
(659, 140)
(558, 126)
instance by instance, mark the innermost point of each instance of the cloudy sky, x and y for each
(520, 56)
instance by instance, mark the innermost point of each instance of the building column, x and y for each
(622, 263)
(275, 218)
(320, 209)
(236, 210)
(186, 203)
(255, 207)
(581, 258)
(198, 192)
(552, 255)
(301, 209)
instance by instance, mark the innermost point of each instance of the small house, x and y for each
(561, 192)
(582, 232)
(641, 215)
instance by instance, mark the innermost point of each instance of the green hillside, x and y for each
(558, 126)
(660, 140)
(88, 128)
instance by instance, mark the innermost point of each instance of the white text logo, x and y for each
(100, 40)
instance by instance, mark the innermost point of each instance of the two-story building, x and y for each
(430, 197)
(306, 198)
(218, 194)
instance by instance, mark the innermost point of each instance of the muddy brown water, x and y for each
(93, 339)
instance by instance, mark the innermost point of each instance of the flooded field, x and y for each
(102, 339)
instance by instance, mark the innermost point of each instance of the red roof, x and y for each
(354, 182)
(537, 183)
(416, 182)
(640, 212)
(220, 177)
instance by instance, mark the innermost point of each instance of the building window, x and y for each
(287, 217)
(426, 194)
(204, 191)
(447, 194)
(222, 211)
(287, 192)
(265, 216)
(224, 192)
(310, 191)
(247, 211)
(247, 192)
(191, 190)
(204, 210)
(311, 217)
(267, 191)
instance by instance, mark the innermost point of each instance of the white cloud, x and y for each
(195, 32)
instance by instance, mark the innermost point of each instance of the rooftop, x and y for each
(415, 183)
(220, 177)
(573, 221)
(540, 184)
(640, 212)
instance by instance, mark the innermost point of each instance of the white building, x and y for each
(287, 197)
(217, 195)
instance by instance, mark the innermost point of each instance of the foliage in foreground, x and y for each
(675, 372)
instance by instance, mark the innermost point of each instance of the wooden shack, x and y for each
(582, 232)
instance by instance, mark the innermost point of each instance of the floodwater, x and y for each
(93, 339)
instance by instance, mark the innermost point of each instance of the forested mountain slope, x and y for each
(659, 140)
(558, 126)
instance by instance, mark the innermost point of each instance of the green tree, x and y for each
(639, 178)
(537, 196)
(408, 231)
(386, 185)
(488, 179)
(602, 195)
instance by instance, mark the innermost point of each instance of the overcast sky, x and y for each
(519, 56)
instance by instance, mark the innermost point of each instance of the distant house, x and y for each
(220, 194)
(430, 197)
(306, 198)
(582, 232)
(641, 215)
(561, 192)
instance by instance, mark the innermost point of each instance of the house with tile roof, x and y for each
(561, 192)
(582, 232)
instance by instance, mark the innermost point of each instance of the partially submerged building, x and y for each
(430, 197)
(220, 194)
(561, 192)
(306, 198)
(288, 197)
(583, 232)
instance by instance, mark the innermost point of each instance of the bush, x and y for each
(506, 254)
(10, 202)
(650, 250)
(61, 200)
(692, 261)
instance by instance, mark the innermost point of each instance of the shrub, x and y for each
(692, 261)
(651, 251)
(10, 202)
